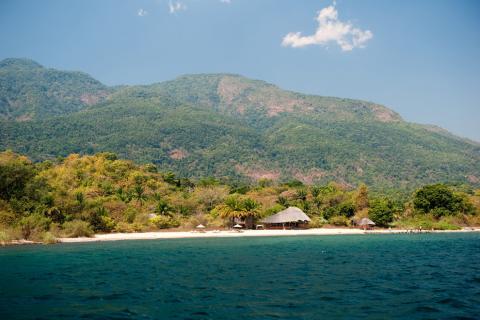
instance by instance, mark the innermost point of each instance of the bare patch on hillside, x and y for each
(235, 93)
(178, 154)
(276, 101)
(93, 98)
(384, 114)
(473, 179)
(24, 117)
(229, 88)
(257, 173)
(310, 176)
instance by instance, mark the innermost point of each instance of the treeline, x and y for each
(82, 195)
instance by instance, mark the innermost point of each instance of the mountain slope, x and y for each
(30, 91)
(230, 126)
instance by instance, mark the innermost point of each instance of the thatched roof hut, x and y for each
(289, 215)
(366, 222)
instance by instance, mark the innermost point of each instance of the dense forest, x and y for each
(82, 195)
(228, 127)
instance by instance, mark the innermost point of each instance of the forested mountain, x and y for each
(226, 126)
(30, 91)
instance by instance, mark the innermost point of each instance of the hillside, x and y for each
(30, 91)
(230, 127)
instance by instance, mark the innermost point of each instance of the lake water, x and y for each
(423, 276)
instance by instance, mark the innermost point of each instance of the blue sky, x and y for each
(420, 58)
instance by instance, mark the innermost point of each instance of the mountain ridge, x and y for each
(229, 126)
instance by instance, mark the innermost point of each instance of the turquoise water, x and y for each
(427, 276)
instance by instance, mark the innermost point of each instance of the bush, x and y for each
(49, 238)
(445, 225)
(128, 227)
(77, 228)
(100, 221)
(317, 222)
(164, 222)
(440, 212)
(339, 221)
(33, 226)
(7, 236)
(130, 214)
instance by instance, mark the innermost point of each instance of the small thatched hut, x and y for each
(291, 217)
(366, 223)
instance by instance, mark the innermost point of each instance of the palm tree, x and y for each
(139, 194)
(237, 207)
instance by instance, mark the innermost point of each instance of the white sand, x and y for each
(244, 233)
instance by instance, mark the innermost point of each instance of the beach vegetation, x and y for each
(76, 228)
(80, 195)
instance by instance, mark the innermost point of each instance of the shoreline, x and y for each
(247, 233)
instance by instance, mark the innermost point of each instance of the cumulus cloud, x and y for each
(176, 6)
(142, 13)
(330, 29)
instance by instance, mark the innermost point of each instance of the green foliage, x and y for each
(440, 200)
(80, 195)
(340, 221)
(15, 174)
(164, 222)
(382, 211)
(100, 221)
(318, 222)
(163, 208)
(33, 226)
(426, 222)
(49, 238)
(28, 90)
(227, 127)
(76, 228)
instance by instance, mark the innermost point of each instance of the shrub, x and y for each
(424, 221)
(164, 222)
(77, 228)
(339, 221)
(317, 222)
(7, 236)
(100, 221)
(445, 225)
(49, 238)
(33, 225)
(130, 214)
(346, 209)
(125, 227)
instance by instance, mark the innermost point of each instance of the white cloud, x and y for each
(330, 29)
(226, 1)
(142, 13)
(176, 6)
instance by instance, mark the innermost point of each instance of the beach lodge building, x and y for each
(290, 218)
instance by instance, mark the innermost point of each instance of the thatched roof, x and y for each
(291, 214)
(366, 222)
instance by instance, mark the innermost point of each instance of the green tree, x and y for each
(15, 174)
(440, 200)
(382, 211)
(162, 207)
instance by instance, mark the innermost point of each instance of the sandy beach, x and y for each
(245, 233)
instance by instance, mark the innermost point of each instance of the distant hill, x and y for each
(226, 126)
(29, 91)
